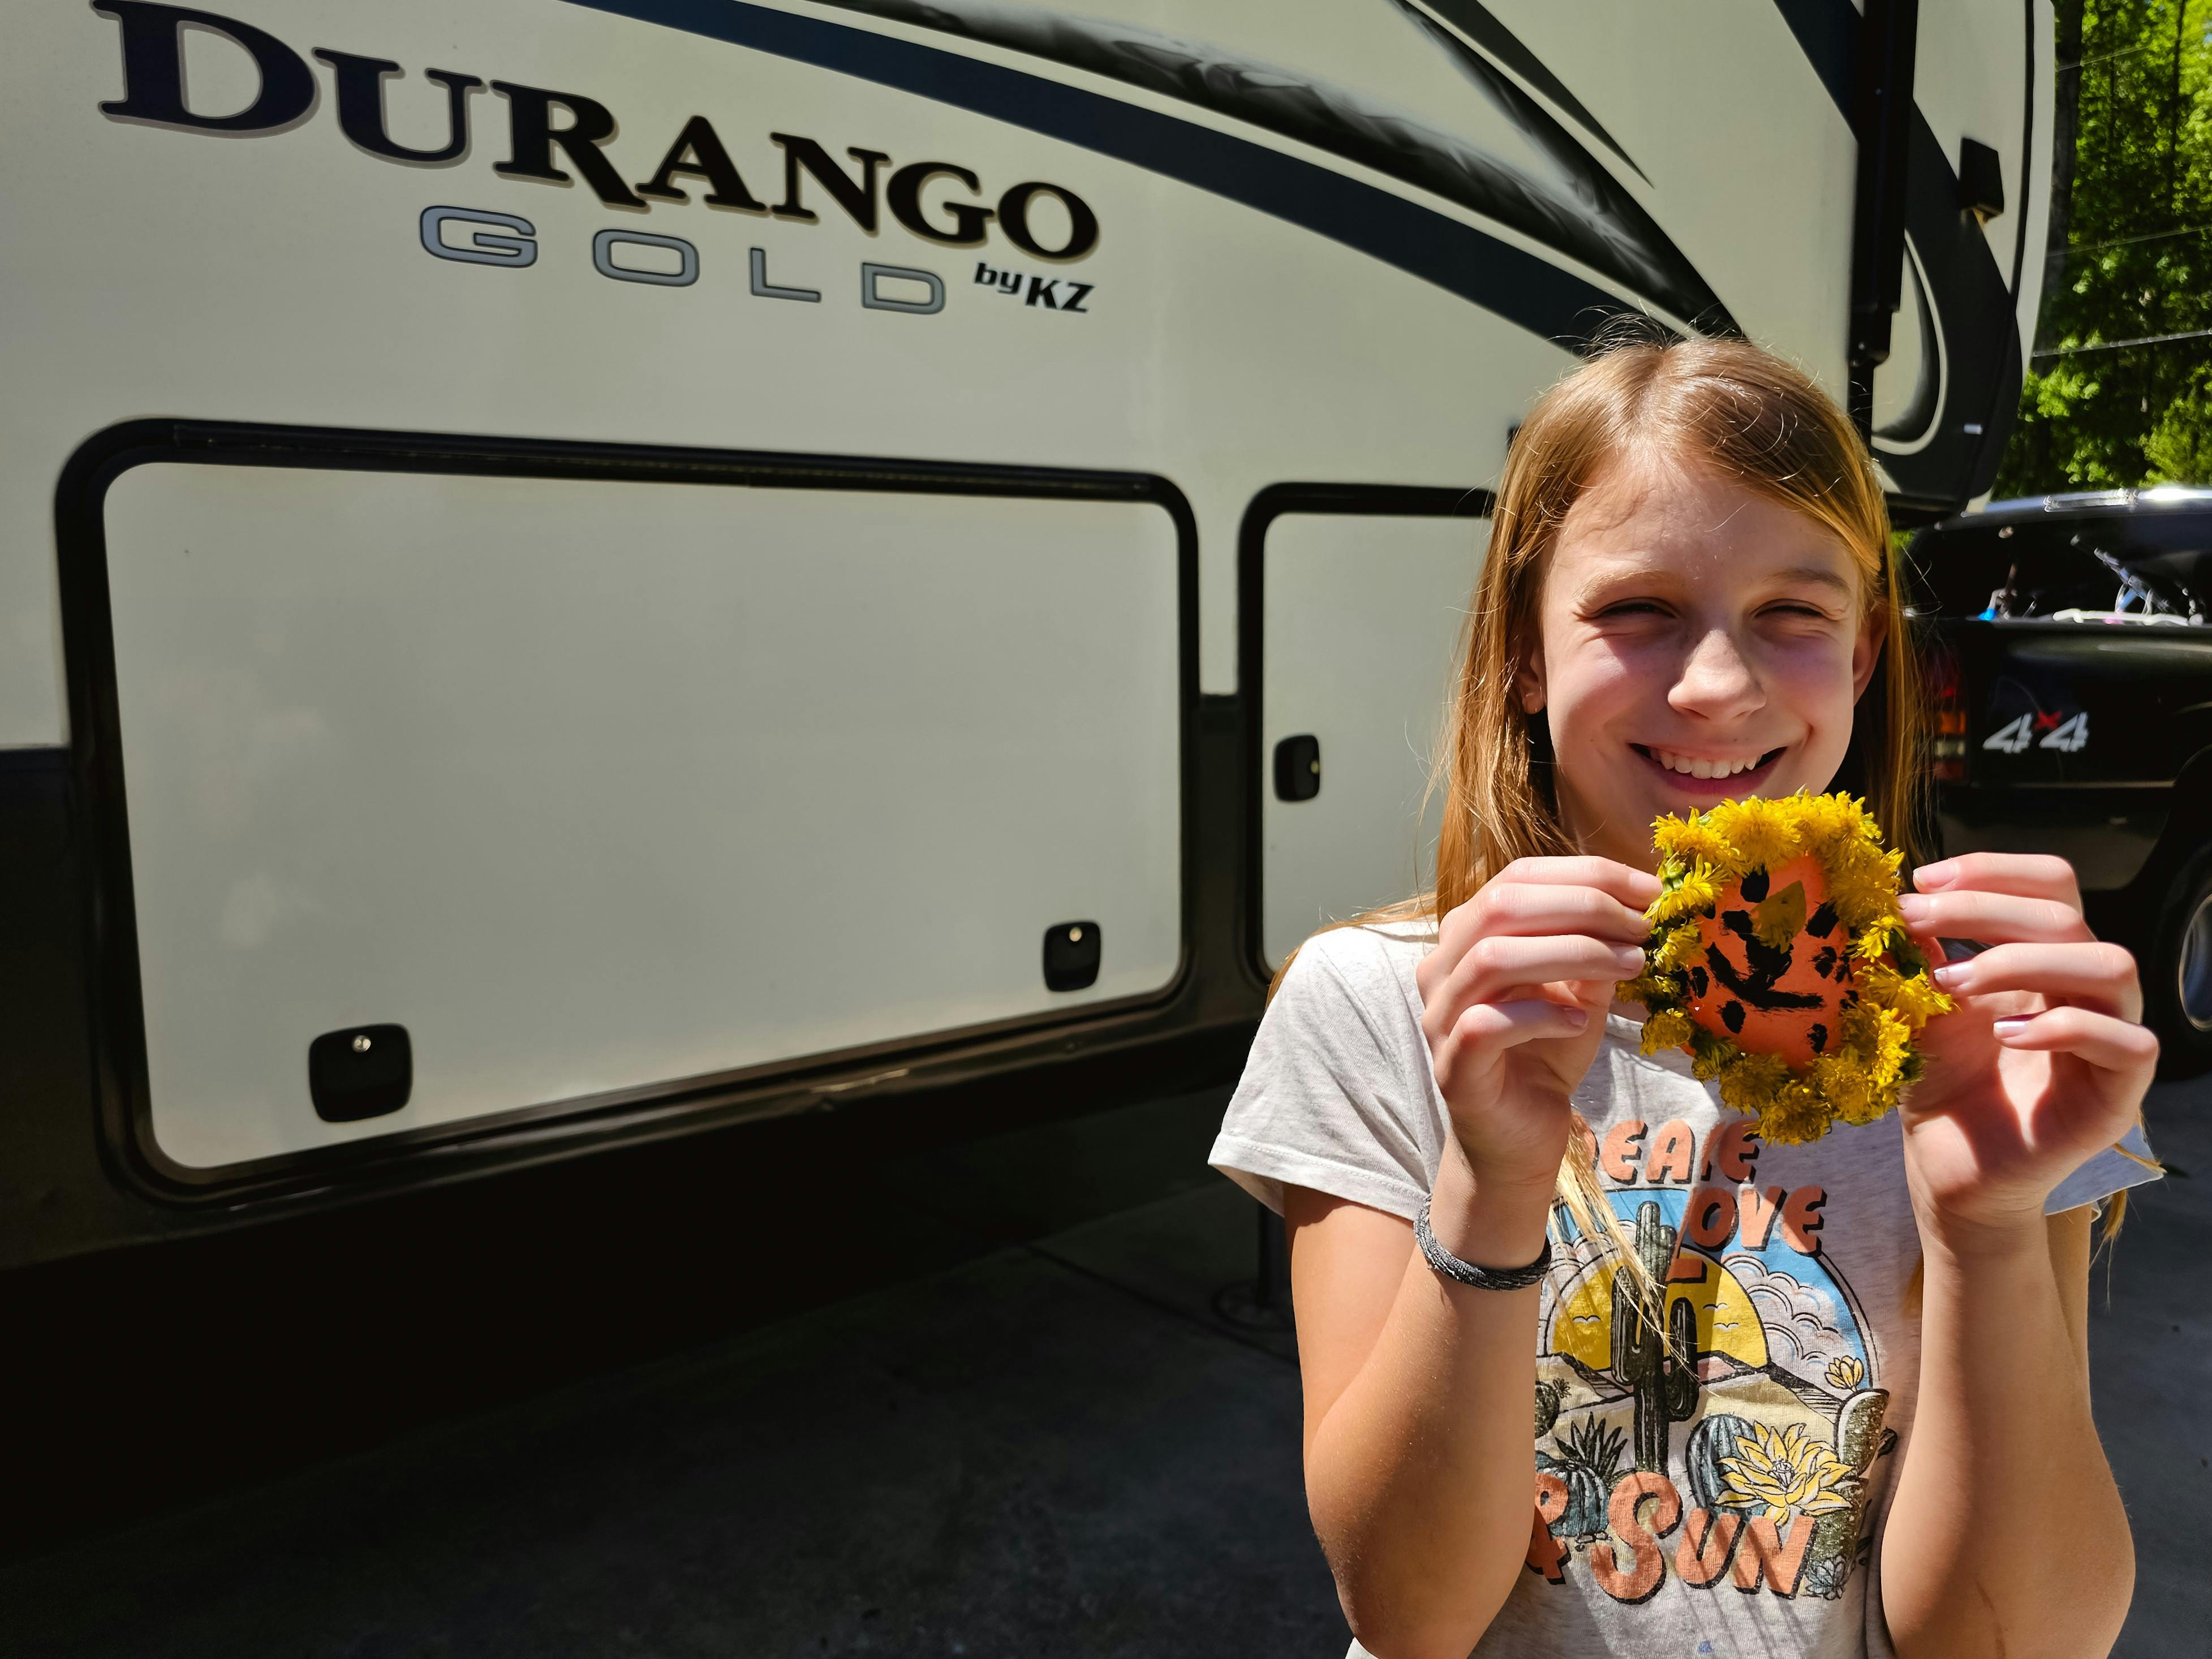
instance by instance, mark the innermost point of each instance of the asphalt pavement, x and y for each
(988, 1435)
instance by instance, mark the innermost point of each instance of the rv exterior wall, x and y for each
(280, 275)
(681, 783)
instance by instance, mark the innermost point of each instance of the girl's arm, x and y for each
(2006, 1536)
(1419, 1397)
(1420, 1392)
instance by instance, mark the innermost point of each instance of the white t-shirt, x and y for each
(1730, 1514)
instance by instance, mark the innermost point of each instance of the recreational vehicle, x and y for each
(584, 570)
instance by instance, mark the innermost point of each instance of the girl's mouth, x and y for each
(1710, 777)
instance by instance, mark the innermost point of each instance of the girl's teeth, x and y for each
(1701, 768)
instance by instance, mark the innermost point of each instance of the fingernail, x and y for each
(1951, 974)
(2012, 1026)
(1912, 907)
(1577, 1017)
(1631, 957)
(1941, 873)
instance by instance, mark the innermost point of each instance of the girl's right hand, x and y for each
(1513, 1004)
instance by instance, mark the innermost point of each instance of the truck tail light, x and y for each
(1947, 711)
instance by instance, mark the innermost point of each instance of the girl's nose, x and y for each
(1716, 682)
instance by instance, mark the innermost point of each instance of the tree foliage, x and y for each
(2130, 257)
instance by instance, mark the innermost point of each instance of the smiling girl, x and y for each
(1860, 1421)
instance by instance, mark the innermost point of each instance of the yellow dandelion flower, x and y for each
(1682, 840)
(1827, 821)
(1763, 832)
(1844, 1085)
(1862, 886)
(1680, 947)
(1797, 1115)
(1879, 1102)
(1750, 1082)
(1788, 1472)
(1914, 996)
(1669, 1028)
(1871, 945)
(1685, 841)
(1695, 893)
(1880, 1044)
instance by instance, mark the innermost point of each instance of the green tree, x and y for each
(2120, 387)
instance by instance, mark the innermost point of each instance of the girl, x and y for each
(1870, 1431)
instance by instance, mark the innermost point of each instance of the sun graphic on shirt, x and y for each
(1727, 1323)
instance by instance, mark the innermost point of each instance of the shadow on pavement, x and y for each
(1003, 1436)
(2150, 1365)
(1004, 1444)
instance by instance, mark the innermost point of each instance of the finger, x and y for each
(1494, 1025)
(1992, 918)
(1489, 1028)
(2024, 875)
(1632, 886)
(2118, 1046)
(1496, 968)
(2099, 977)
(1508, 895)
(1537, 909)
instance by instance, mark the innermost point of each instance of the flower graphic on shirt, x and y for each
(1846, 1373)
(1788, 1472)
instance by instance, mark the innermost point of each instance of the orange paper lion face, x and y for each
(1776, 972)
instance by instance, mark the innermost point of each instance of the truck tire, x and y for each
(2177, 971)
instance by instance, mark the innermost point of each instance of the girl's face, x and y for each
(1697, 644)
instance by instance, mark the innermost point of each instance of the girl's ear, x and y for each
(1528, 683)
(1867, 651)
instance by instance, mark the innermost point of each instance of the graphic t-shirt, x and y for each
(1730, 1506)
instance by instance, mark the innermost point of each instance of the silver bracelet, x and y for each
(1483, 1278)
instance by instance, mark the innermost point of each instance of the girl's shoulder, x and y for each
(1364, 968)
(1368, 945)
(1337, 1095)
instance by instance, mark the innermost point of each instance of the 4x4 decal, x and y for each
(2068, 734)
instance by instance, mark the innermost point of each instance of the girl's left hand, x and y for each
(2045, 1061)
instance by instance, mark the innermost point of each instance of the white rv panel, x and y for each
(593, 784)
(1981, 66)
(1363, 620)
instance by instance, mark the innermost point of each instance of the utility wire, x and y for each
(2127, 242)
(2106, 57)
(2120, 345)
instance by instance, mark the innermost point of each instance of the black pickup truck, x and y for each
(2068, 644)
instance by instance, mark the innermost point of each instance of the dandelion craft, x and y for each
(1778, 962)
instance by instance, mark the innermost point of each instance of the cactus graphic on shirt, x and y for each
(1715, 1437)
(1834, 1549)
(1656, 1363)
(1858, 1428)
(1548, 1406)
(1589, 1462)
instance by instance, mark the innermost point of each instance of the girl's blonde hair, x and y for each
(1743, 413)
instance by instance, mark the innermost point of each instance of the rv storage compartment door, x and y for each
(595, 784)
(1361, 616)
